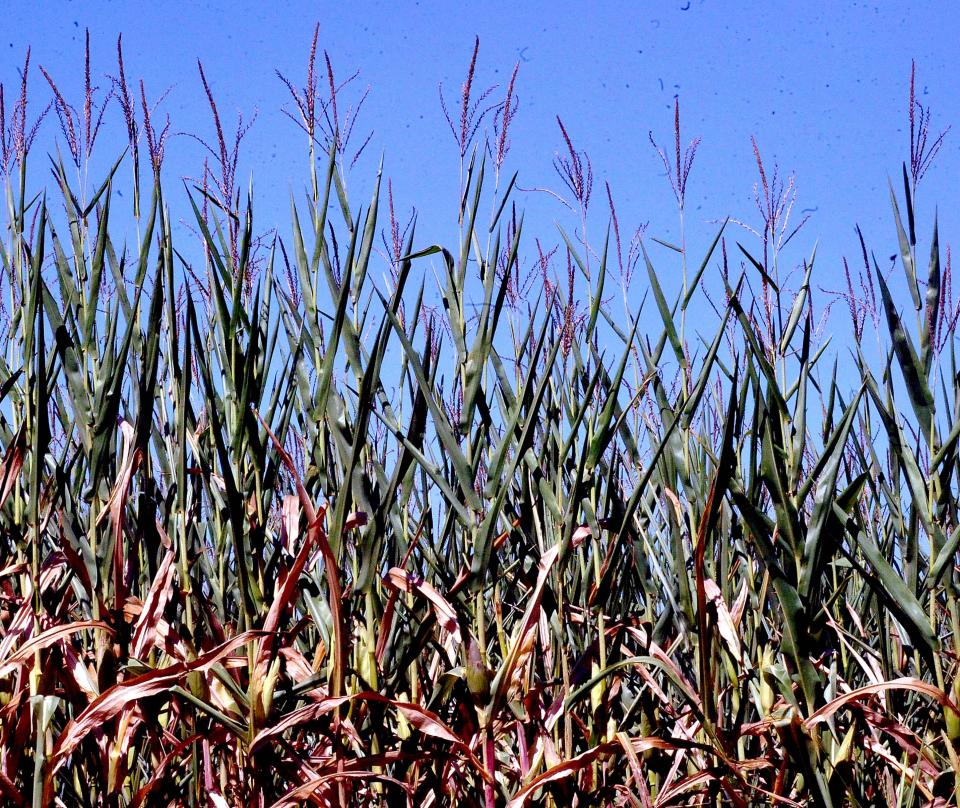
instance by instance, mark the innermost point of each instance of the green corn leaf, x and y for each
(910, 365)
(906, 254)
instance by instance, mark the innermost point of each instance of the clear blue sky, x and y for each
(822, 86)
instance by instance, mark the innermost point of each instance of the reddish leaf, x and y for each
(568, 768)
(306, 790)
(904, 683)
(112, 701)
(400, 580)
(13, 463)
(47, 638)
(144, 634)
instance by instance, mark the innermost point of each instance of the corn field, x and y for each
(334, 517)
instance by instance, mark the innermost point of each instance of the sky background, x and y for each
(821, 86)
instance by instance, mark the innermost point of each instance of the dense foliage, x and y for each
(274, 531)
